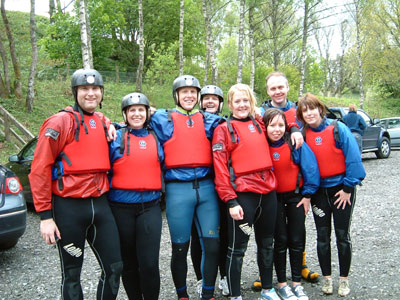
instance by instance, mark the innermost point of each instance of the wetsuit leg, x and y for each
(148, 238)
(281, 240)
(264, 228)
(195, 252)
(181, 201)
(223, 237)
(72, 217)
(238, 237)
(207, 223)
(296, 229)
(342, 221)
(322, 212)
(125, 217)
(103, 238)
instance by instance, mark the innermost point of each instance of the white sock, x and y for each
(236, 298)
(264, 291)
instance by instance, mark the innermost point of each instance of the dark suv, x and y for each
(375, 139)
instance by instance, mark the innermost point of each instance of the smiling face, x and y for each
(187, 97)
(210, 103)
(277, 89)
(312, 116)
(276, 128)
(136, 116)
(89, 97)
(240, 105)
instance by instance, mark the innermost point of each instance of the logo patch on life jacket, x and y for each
(318, 141)
(252, 128)
(52, 133)
(190, 123)
(276, 156)
(217, 147)
(92, 123)
(142, 144)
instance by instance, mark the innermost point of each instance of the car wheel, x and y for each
(384, 149)
(8, 244)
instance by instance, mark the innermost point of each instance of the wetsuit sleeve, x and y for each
(114, 148)
(54, 134)
(306, 160)
(210, 123)
(161, 126)
(355, 171)
(220, 146)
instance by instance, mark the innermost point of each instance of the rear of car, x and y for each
(392, 125)
(375, 139)
(12, 209)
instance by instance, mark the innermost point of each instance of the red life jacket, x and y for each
(252, 151)
(88, 153)
(139, 169)
(290, 115)
(189, 145)
(331, 160)
(285, 170)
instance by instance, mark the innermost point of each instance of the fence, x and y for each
(14, 131)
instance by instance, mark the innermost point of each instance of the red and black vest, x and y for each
(88, 153)
(189, 145)
(290, 115)
(252, 151)
(331, 160)
(285, 170)
(139, 168)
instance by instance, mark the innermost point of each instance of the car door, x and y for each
(371, 132)
(393, 126)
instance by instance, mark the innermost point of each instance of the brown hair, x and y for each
(241, 87)
(271, 113)
(275, 74)
(309, 101)
(353, 107)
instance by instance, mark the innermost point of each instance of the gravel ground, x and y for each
(31, 269)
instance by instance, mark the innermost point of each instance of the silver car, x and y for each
(392, 125)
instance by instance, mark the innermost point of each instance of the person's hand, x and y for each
(112, 133)
(257, 113)
(306, 204)
(49, 231)
(343, 199)
(297, 139)
(152, 110)
(236, 212)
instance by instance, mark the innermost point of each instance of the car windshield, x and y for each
(27, 153)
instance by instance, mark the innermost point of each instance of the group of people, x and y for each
(259, 168)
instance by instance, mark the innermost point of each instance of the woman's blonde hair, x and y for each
(353, 107)
(241, 87)
(309, 101)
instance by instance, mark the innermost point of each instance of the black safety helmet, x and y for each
(212, 90)
(184, 81)
(86, 77)
(135, 99)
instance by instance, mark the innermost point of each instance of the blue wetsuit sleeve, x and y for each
(355, 171)
(161, 126)
(306, 160)
(211, 121)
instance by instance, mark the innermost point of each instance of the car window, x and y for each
(394, 123)
(27, 153)
(365, 117)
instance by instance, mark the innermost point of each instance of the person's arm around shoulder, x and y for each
(161, 126)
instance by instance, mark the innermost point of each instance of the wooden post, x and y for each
(7, 128)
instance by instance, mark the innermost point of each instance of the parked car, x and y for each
(375, 139)
(392, 125)
(12, 209)
(20, 164)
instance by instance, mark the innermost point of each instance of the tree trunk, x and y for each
(358, 42)
(181, 28)
(343, 43)
(141, 49)
(252, 46)
(84, 37)
(59, 10)
(6, 81)
(3, 91)
(89, 35)
(207, 25)
(17, 69)
(241, 41)
(31, 82)
(51, 10)
(304, 48)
